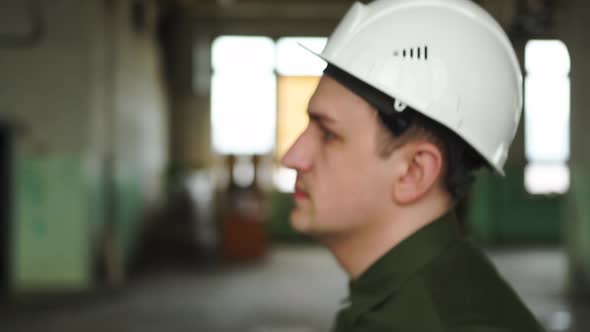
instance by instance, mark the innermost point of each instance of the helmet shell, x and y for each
(447, 59)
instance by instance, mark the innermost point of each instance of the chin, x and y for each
(301, 222)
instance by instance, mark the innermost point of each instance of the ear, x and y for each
(421, 167)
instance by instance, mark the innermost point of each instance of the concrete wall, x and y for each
(140, 130)
(86, 101)
(573, 27)
(187, 57)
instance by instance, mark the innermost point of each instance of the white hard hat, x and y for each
(447, 59)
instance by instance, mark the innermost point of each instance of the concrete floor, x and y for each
(296, 289)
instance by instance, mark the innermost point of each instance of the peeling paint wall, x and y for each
(89, 114)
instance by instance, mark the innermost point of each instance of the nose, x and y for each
(298, 157)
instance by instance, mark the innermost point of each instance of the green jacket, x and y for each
(434, 281)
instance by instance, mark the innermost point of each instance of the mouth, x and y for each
(300, 194)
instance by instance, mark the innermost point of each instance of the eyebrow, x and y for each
(323, 118)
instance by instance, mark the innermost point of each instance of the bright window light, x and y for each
(294, 60)
(243, 54)
(284, 179)
(259, 95)
(244, 171)
(547, 57)
(556, 178)
(243, 95)
(547, 116)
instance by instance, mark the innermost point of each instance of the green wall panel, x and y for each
(51, 230)
(129, 207)
(577, 227)
(501, 211)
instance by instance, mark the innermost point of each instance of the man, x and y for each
(417, 95)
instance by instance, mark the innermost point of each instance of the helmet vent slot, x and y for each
(421, 53)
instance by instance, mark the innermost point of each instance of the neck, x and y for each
(358, 250)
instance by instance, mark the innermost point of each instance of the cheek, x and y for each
(352, 189)
(348, 204)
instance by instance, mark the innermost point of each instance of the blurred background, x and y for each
(139, 166)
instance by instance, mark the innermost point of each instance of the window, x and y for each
(243, 95)
(547, 116)
(259, 94)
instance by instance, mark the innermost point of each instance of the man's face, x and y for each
(342, 183)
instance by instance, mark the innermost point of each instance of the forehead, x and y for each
(333, 99)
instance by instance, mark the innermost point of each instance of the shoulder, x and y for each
(469, 294)
(460, 291)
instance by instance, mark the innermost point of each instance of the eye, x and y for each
(327, 135)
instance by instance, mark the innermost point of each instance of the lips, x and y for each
(300, 194)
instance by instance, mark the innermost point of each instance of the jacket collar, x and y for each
(402, 262)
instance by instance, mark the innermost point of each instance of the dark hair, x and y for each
(460, 159)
